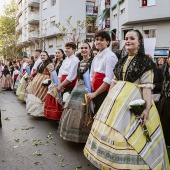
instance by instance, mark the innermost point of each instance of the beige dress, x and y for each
(37, 93)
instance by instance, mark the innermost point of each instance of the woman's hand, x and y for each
(144, 116)
(59, 88)
(91, 96)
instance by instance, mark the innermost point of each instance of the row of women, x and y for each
(96, 111)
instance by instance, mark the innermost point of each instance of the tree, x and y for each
(8, 38)
(72, 33)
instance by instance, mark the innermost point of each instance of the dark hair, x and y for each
(16, 67)
(64, 56)
(71, 44)
(38, 50)
(32, 58)
(52, 56)
(140, 37)
(103, 34)
(41, 66)
(5, 67)
(25, 56)
(47, 55)
(168, 53)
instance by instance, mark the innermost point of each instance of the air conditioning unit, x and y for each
(32, 9)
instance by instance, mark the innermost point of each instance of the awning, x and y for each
(119, 1)
(105, 11)
(113, 7)
(91, 16)
(161, 52)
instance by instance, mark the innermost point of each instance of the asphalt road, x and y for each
(19, 145)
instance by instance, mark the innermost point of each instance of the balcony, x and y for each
(33, 19)
(19, 13)
(19, 28)
(91, 29)
(34, 3)
(33, 35)
(91, 11)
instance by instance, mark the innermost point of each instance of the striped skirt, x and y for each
(36, 96)
(76, 119)
(117, 139)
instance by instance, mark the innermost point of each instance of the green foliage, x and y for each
(8, 38)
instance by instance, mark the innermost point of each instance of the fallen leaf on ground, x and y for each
(25, 140)
(15, 147)
(37, 142)
(15, 129)
(16, 140)
(7, 119)
(37, 153)
(49, 137)
(28, 128)
(37, 163)
(78, 167)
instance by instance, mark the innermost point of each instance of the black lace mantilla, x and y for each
(42, 66)
(137, 67)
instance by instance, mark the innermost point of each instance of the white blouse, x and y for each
(104, 62)
(69, 67)
(36, 64)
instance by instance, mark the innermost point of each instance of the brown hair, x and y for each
(71, 44)
(103, 34)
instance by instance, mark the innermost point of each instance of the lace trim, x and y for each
(149, 86)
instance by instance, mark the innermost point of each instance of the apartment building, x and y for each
(37, 19)
(151, 17)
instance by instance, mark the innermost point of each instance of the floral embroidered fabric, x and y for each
(137, 67)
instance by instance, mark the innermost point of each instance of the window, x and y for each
(122, 11)
(115, 15)
(59, 42)
(150, 33)
(44, 5)
(53, 2)
(44, 23)
(147, 3)
(50, 43)
(52, 21)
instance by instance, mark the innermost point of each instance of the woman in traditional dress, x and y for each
(164, 105)
(53, 106)
(37, 91)
(76, 119)
(60, 56)
(117, 139)
(15, 75)
(6, 80)
(26, 79)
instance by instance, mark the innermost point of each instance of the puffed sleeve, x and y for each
(146, 81)
(50, 67)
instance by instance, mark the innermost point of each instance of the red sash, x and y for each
(23, 71)
(63, 77)
(97, 81)
(15, 76)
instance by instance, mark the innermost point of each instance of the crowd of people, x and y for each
(89, 95)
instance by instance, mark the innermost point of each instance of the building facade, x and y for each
(37, 19)
(150, 17)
